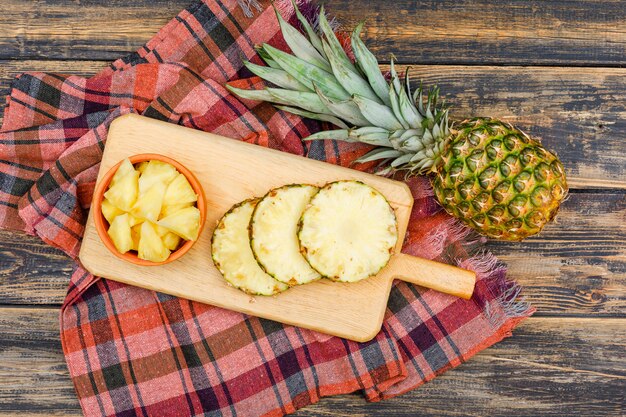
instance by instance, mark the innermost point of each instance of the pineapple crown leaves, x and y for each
(319, 81)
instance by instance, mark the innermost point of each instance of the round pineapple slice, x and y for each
(233, 256)
(274, 234)
(348, 231)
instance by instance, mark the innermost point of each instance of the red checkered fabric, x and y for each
(134, 352)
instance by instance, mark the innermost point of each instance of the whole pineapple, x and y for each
(487, 173)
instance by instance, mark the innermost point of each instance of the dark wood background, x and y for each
(553, 67)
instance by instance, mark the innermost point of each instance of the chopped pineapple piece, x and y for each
(273, 234)
(185, 223)
(120, 234)
(171, 240)
(161, 231)
(179, 192)
(348, 231)
(148, 205)
(123, 193)
(109, 210)
(167, 210)
(141, 167)
(151, 247)
(156, 172)
(135, 234)
(233, 256)
(124, 169)
(134, 221)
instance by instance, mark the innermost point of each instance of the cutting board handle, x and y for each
(430, 274)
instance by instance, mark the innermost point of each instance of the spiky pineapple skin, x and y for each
(498, 180)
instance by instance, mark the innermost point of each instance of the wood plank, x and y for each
(509, 32)
(580, 112)
(550, 367)
(31, 271)
(564, 32)
(575, 267)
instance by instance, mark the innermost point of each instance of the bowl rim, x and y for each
(101, 223)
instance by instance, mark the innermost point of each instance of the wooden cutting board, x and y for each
(231, 171)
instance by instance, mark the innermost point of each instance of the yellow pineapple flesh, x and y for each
(123, 191)
(348, 231)
(120, 233)
(233, 256)
(185, 223)
(148, 205)
(109, 211)
(151, 247)
(274, 237)
(156, 172)
(179, 191)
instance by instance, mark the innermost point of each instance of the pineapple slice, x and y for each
(348, 232)
(185, 223)
(120, 233)
(109, 210)
(167, 210)
(179, 192)
(156, 172)
(273, 234)
(151, 247)
(148, 205)
(233, 256)
(123, 192)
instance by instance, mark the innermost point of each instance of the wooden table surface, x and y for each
(552, 67)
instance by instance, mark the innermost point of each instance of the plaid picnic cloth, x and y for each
(134, 352)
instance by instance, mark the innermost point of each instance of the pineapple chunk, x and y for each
(274, 238)
(123, 193)
(109, 210)
(179, 192)
(348, 231)
(120, 233)
(167, 210)
(141, 167)
(156, 172)
(171, 240)
(148, 205)
(185, 223)
(134, 221)
(233, 256)
(151, 247)
(124, 169)
(135, 234)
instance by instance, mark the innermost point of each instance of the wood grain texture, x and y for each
(564, 32)
(31, 271)
(536, 32)
(580, 113)
(577, 266)
(551, 367)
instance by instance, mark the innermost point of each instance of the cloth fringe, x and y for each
(248, 5)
